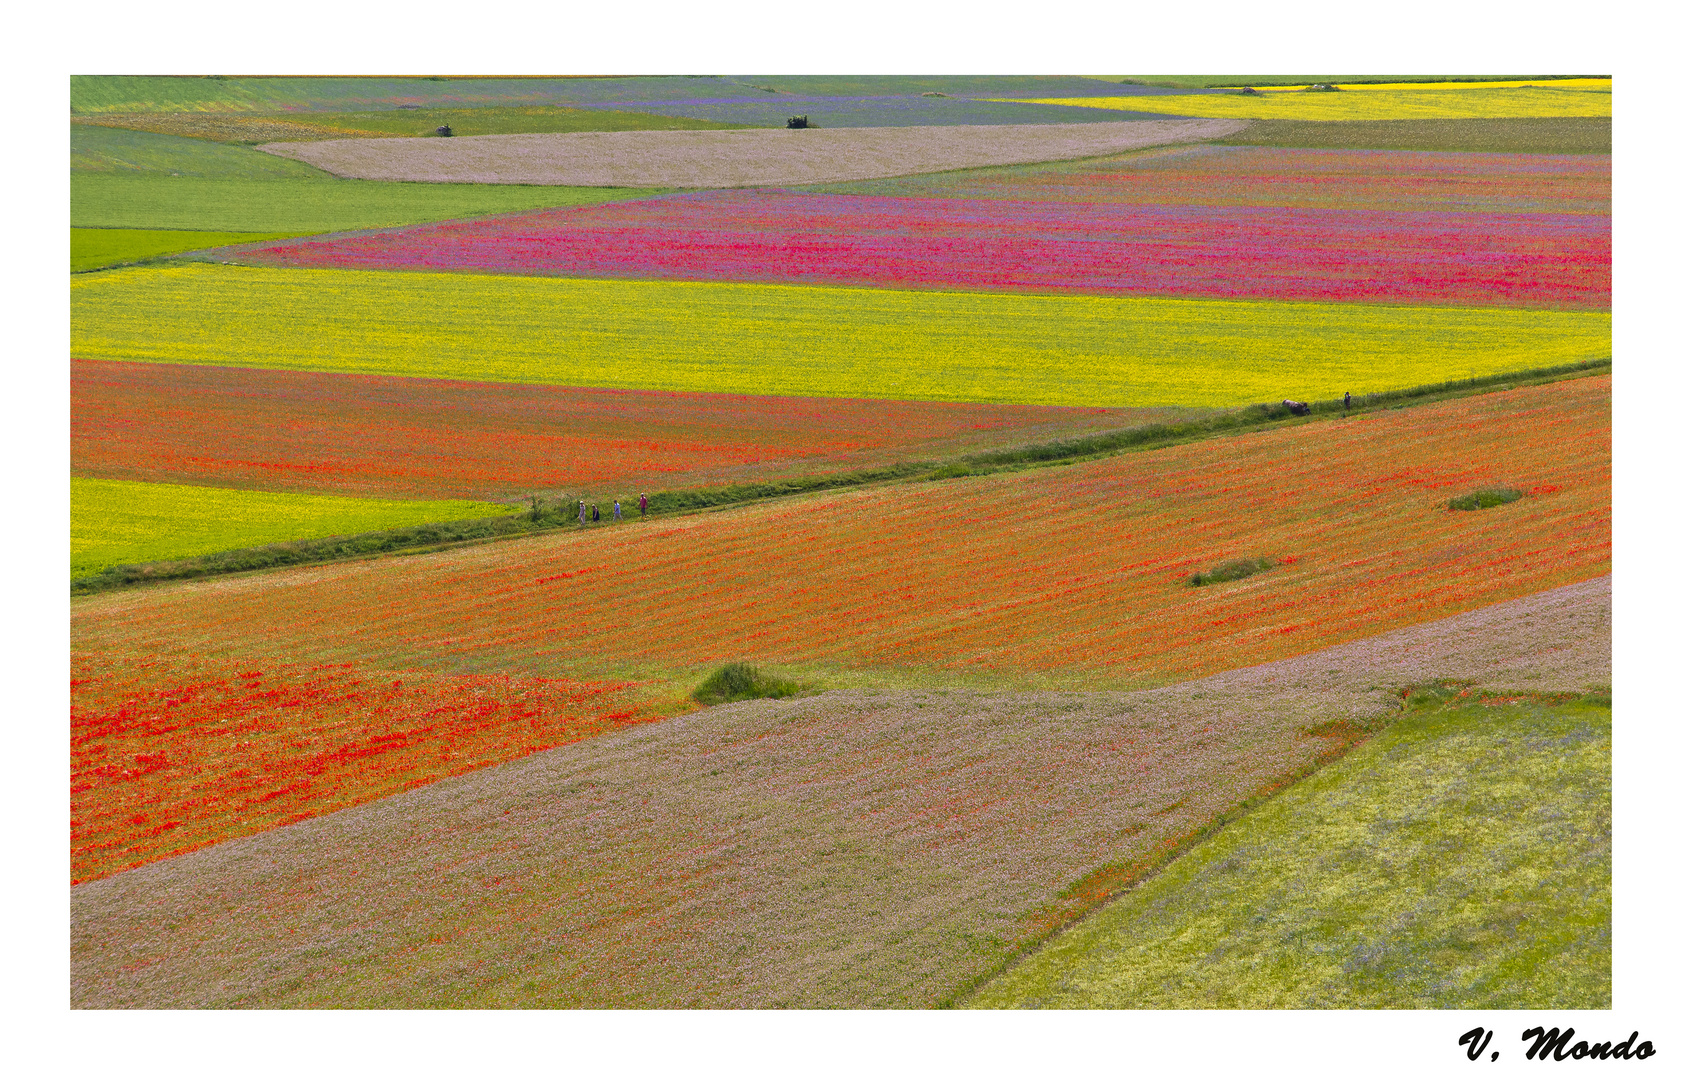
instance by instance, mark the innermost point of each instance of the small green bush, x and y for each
(739, 682)
(1485, 498)
(1231, 571)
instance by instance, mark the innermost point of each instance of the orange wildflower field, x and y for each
(393, 437)
(1074, 573)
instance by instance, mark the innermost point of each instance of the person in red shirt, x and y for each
(642, 505)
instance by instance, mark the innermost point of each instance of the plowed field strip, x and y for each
(1073, 575)
(825, 342)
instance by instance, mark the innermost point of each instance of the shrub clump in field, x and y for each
(1485, 498)
(739, 682)
(1231, 571)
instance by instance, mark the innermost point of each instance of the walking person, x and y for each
(595, 512)
(617, 516)
(1346, 401)
(642, 505)
(581, 518)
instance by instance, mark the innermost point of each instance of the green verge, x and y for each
(122, 522)
(1460, 859)
(1519, 135)
(95, 249)
(552, 513)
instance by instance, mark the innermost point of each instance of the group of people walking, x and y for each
(587, 514)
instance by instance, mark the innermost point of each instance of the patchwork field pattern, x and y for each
(171, 753)
(857, 849)
(1091, 247)
(708, 159)
(824, 342)
(377, 436)
(120, 522)
(1062, 577)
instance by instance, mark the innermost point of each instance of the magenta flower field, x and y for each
(1376, 226)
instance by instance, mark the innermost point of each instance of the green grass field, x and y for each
(1459, 860)
(120, 522)
(91, 249)
(827, 342)
(105, 201)
(119, 151)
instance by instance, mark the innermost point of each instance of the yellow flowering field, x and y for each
(797, 340)
(1419, 101)
(122, 522)
(1513, 84)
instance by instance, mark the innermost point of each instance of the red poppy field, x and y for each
(392, 437)
(1071, 576)
(171, 753)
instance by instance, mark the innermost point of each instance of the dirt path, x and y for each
(714, 159)
(851, 849)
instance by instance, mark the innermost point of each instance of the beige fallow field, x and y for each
(852, 848)
(744, 158)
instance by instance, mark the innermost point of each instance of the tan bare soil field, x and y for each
(854, 848)
(714, 159)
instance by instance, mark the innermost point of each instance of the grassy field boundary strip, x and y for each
(543, 516)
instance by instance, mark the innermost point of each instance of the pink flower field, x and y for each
(1434, 257)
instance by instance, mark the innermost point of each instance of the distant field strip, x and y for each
(91, 249)
(380, 436)
(689, 159)
(1372, 103)
(1305, 179)
(1461, 859)
(154, 201)
(827, 342)
(1549, 135)
(850, 850)
(410, 123)
(118, 522)
(1071, 576)
(1091, 247)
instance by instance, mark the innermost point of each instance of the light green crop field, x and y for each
(119, 151)
(827, 342)
(151, 201)
(1460, 860)
(91, 249)
(121, 522)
